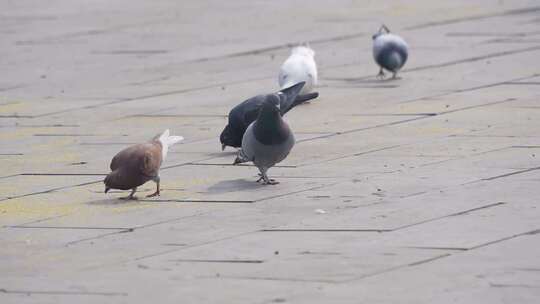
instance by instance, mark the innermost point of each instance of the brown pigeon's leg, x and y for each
(130, 196)
(157, 179)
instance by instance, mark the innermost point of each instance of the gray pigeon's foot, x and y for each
(266, 180)
(271, 182)
(394, 76)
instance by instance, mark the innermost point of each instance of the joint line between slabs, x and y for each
(449, 215)
(458, 251)
(62, 292)
(71, 228)
(382, 230)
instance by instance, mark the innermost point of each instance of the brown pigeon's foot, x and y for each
(153, 194)
(157, 180)
(130, 196)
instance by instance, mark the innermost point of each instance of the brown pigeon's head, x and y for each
(111, 181)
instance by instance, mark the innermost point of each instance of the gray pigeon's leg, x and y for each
(394, 75)
(156, 179)
(264, 177)
(130, 196)
(381, 74)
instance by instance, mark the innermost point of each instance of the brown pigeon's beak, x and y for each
(107, 189)
(223, 147)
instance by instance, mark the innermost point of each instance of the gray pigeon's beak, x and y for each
(223, 147)
(107, 189)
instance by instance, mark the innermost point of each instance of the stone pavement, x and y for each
(429, 184)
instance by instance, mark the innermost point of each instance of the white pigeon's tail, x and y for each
(167, 141)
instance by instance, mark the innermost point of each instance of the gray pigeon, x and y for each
(389, 51)
(242, 115)
(138, 164)
(268, 140)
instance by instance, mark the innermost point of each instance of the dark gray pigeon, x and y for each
(389, 51)
(268, 140)
(138, 164)
(242, 115)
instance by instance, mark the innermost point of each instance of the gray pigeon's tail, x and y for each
(393, 61)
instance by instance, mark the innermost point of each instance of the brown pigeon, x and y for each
(138, 164)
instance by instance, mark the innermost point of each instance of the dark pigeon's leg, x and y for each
(130, 196)
(381, 74)
(156, 179)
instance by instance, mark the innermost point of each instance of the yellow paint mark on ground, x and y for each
(13, 107)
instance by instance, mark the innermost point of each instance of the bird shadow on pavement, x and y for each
(362, 82)
(233, 185)
(223, 153)
(112, 201)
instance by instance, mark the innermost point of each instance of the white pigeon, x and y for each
(300, 66)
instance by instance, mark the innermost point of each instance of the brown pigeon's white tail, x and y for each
(167, 141)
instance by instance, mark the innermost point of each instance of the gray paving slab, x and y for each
(416, 190)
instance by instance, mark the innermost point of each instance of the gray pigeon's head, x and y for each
(271, 104)
(376, 35)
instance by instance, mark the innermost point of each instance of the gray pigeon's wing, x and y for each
(248, 142)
